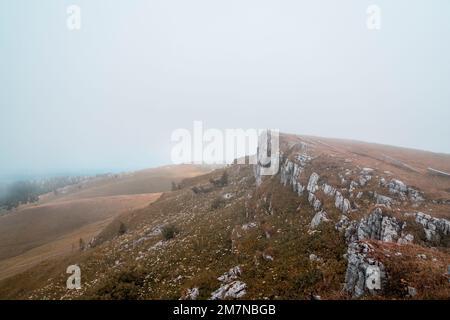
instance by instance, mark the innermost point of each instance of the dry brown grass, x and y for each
(53, 226)
(48, 231)
(429, 276)
(142, 264)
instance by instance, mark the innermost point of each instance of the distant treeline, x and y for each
(22, 192)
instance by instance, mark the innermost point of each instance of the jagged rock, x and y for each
(191, 294)
(364, 179)
(379, 227)
(231, 274)
(311, 198)
(366, 176)
(415, 195)
(317, 205)
(314, 258)
(286, 173)
(361, 268)
(342, 224)
(384, 200)
(364, 274)
(249, 225)
(290, 172)
(342, 203)
(339, 199)
(406, 239)
(299, 188)
(346, 206)
(329, 190)
(376, 226)
(314, 202)
(390, 229)
(234, 290)
(303, 158)
(353, 186)
(434, 228)
(396, 186)
(412, 292)
(400, 189)
(319, 218)
(156, 231)
(231, 288)
(312, 184)
(267, 257)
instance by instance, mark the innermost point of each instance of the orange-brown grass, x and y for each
(429, 276)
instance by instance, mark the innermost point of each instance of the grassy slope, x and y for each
(53, 226)
(141, 265)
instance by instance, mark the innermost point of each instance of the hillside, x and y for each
(138, 182)
(54, 225)
(336, 211)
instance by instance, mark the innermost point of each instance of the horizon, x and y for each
(27, 176)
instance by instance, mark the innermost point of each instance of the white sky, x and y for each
(107, 97)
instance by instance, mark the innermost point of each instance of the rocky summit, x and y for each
(340, 220)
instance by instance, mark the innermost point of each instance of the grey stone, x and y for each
(434, 228)
(384, 200)
(342, 203)
(313, 183)
(318, 219)
(329, 190)
(231, 274)
(412, 292)
(191, 294)
(234, 290)
(360, 269)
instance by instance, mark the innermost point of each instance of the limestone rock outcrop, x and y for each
(318, 218)
(364, 274)
(435, 229)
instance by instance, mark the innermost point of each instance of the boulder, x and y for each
(233, 290)
(329, 190)
(313, 183)
(364, 275)
(314, 202)
(342, 203)
(376, 226)
(191, 294)
(435, 229)
(383, 200)
(231, 274)
(318, 218)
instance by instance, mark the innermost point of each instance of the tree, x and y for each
(122, 228)
(224, 179)
(220, 182)
(169, 231)
(82, 245)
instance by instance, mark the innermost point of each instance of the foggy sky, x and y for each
(108, 96)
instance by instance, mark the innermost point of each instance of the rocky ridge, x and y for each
(378, 224)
